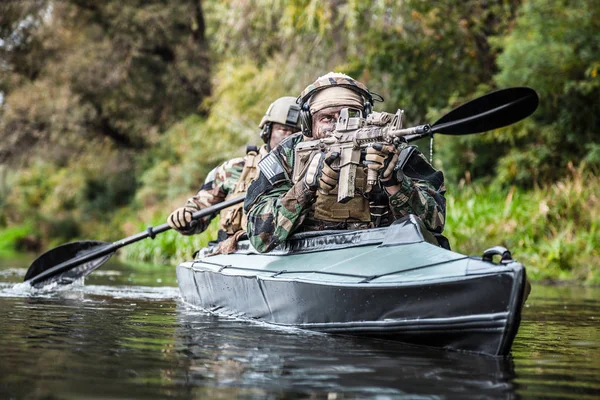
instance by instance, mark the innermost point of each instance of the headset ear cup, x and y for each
(306, 121)
(265, 133)
(368, 108)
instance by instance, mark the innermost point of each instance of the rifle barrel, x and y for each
(415, 130)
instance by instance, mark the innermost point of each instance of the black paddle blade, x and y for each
(493, 110)
(64, 253)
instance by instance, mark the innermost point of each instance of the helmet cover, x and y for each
(334, 79)
(283, 111)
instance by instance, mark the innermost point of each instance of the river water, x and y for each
(126, 334)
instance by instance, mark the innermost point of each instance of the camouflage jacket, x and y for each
(219, 184)
(277, 208)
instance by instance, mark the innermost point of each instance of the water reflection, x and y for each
(231, 354)
(149, 348)
(79, 347)
(557, 350)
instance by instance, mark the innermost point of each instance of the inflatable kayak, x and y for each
(391, 283)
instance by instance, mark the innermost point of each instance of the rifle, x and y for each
(353, 132)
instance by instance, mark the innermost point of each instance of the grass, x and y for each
(13, 239)
(553, 230)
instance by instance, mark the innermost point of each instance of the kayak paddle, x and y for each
(69, 262)
(490, 111)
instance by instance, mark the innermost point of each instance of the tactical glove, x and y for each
(320, 175)
(181, 220)
(383, 158)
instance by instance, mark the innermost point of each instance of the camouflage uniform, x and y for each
(277, 208)
(233, 178)
(219, 184)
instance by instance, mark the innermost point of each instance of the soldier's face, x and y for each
(323, 121)
(280, 132)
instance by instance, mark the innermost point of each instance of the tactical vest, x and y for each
(326, 212)
(233, 219)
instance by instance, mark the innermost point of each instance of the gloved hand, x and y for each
(382, 158)
(320, 175)
(181, 220)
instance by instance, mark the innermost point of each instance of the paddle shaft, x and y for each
(111, 248)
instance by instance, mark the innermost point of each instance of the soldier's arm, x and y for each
(219, 183)
(421, 192)
(275, 207)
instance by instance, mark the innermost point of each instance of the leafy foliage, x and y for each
(120, 70)
(16, 238)
(554, 47)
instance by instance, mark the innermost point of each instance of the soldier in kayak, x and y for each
(293, 194)
(231, 179)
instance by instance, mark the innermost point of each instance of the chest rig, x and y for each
(233, 219)
(326, 211)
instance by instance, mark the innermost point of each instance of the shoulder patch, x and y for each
(271, 168)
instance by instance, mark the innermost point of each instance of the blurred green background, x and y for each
(113, 112)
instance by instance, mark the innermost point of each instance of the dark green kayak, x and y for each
(391, 283)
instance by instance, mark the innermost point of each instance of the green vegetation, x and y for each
(169, 248)
(553, 230)
(112, 113)
(14, 238)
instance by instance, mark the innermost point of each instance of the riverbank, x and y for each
(552, 230)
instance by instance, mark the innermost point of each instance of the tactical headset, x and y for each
(265, 133)
(346, 82)
(291, 119)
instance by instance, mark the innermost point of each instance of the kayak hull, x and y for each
(444, 300)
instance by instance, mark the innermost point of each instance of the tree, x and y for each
(118, 70)
(554, 48)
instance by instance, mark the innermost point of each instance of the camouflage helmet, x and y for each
(330, 80)
(283, 111)
(334, 79)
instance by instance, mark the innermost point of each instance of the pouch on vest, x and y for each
(327, 208)
(233, 218)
